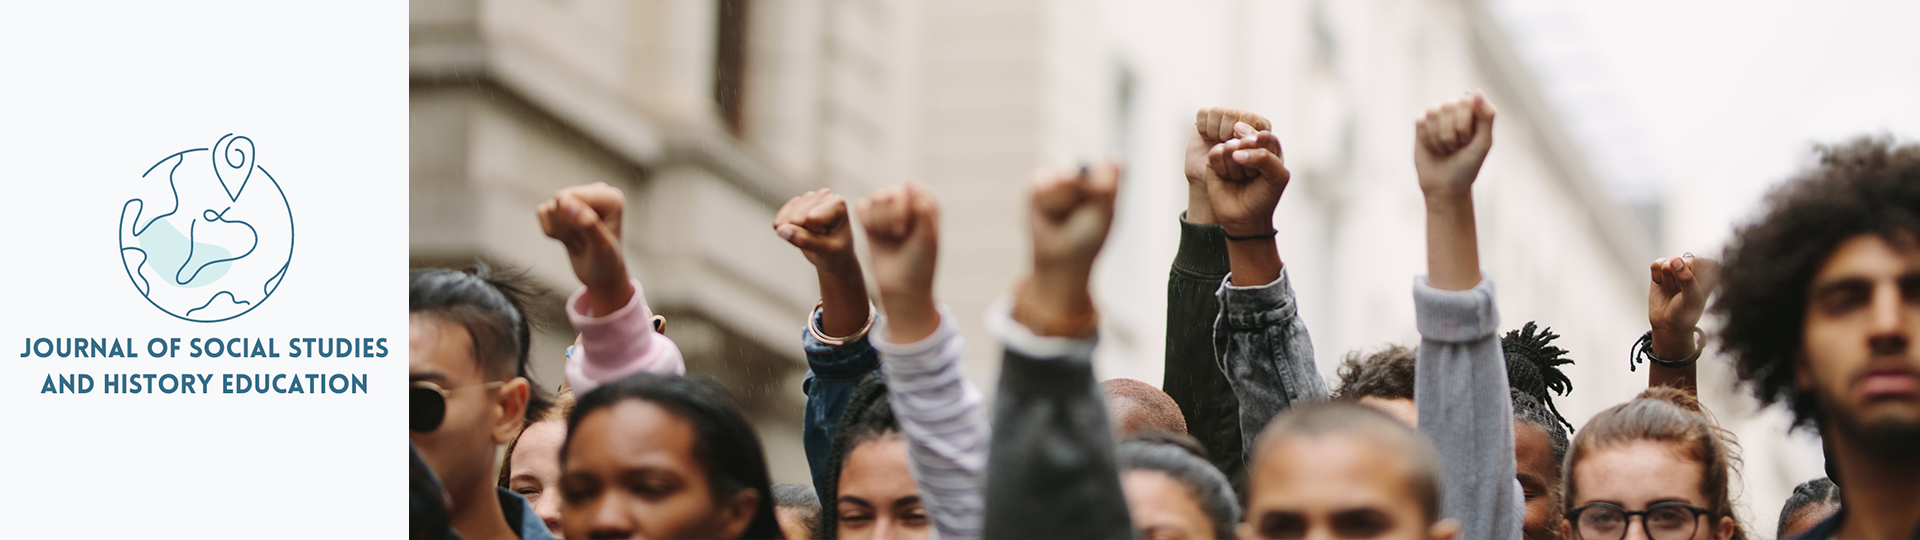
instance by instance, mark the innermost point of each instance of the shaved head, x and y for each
(1135, 407)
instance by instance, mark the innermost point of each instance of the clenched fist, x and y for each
(818, 224)
(586, 219)
(903, 232)
(1451, 141)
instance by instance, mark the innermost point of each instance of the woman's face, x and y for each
(631, 472)
(1635, 475)
(1163, 508)
(536, 470)
(878, 498)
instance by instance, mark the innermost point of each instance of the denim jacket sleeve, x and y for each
(1263, 347)
(1460, 387)
(832, 372)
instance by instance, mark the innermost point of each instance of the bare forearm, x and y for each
(1674, 346)
(843, 298)
(1453, 251)
(1199, 207)
(1055, 303)
(912, 315)
(609, 289)
(1254, 262)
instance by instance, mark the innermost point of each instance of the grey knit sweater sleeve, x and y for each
(1263, 348)
(1460, 387)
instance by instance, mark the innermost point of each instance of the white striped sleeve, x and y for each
(942, 415)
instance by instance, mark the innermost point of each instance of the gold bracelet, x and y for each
(814, 328)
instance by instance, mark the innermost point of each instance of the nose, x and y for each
(548, 508)
(884, 527)
(607, 518)
(1636, 528)
(1890, 331)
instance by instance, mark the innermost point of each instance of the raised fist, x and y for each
(903, 231)
(1211, 127)
(1450, 142)
(1070, 214)
(818, 224)
(586, 219)
(1676, 299)
(1244, 207)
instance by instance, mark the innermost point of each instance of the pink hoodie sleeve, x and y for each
(619, 344)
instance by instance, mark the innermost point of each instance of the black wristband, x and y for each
(1267, 236)
(1643, 351)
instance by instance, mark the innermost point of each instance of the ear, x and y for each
(1726, 527)
(1243, 531)
(739, 513)
(1446, 529)
(510, 409)
(1802, 371)
(1566, 529)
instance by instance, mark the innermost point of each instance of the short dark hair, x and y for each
(724, 442)
(1348, 418)
(1161, 412)
(1180, 461)
(492, 307)
(1867, 186)
(868, 417)
(801, 498)
(1816, 491)
(1386, 374)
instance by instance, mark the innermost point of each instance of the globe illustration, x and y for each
(209, 235)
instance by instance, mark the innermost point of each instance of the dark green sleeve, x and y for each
(1051, 471)
(1193, 378)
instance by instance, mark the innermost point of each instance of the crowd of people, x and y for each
(1456, 436)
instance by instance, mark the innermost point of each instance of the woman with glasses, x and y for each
(1653, 468)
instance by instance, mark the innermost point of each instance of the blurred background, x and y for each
(1628, 130)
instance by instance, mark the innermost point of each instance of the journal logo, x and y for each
(209, 235)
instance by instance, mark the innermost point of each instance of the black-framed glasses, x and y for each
(427, 404)
(1663, 521)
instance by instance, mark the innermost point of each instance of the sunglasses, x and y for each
(427, 404)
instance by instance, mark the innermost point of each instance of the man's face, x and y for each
(878, 498)
(461, 450)
(631, 473)
(536, 470)
(1333, 486)
(1539, 476)
(1859, 360)
(1162, 508)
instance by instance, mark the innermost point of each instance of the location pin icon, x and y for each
(233, 163)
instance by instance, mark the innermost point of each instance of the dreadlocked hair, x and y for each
(1533, 365)
(868, 417)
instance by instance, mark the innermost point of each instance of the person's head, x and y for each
(1660, 454)
(1337, 469)
(868, 481)
(1173, 493)
(1382, 380)
(1812, 502)
(1539, 448)
(467, 344)
(1539, 432)
(1821, 298)
(532, 468)
(663, 456)
(797, 508)
(1135, 407)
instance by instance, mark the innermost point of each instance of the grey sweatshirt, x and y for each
(1460, 387)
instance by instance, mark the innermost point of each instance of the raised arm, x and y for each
(835, 339)
(1192, 375)
(1460, 375)
(617, 336)
(939, 411)
(1675, 301)
(1052, 472)
(1260, 342)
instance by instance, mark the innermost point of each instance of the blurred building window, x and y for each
(730, 64)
